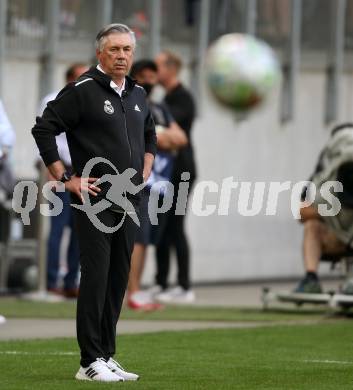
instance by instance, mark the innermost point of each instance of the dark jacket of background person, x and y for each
(182, 107)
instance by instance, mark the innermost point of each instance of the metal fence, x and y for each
(310, 32)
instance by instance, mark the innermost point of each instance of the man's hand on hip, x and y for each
(77, 185)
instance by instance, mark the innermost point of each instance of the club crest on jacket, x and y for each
(108, 108)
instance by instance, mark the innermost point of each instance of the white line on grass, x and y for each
(39, 353)
(327, 361)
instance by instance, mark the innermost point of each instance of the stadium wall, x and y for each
(259, 148)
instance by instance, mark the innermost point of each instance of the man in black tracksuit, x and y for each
(104, 114)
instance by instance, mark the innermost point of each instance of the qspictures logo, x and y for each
(252, 198)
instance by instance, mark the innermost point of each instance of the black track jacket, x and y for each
(98, 123)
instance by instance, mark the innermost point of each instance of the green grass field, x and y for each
(17, 308)
(284, 357)
(299, 356)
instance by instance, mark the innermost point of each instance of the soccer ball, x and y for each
(241, 71)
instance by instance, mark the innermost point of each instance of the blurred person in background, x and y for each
(182, 107)
(7, 181)
(7, 135)
(65, 218)
(170, 138)
(7, 140)
(330, 236)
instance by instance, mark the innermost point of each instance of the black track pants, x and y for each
(105, 265)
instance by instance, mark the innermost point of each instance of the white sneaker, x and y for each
(141, 297)
(142, 300)
(176, 295)
(117, 369)
(98, 371)
(2, 319)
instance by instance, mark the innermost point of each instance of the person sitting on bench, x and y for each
(329, 236)
(318, 239)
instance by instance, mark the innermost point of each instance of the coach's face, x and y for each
(116, 55)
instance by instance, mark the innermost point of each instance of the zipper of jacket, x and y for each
(125, 125)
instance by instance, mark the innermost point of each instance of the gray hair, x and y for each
(114, 28)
